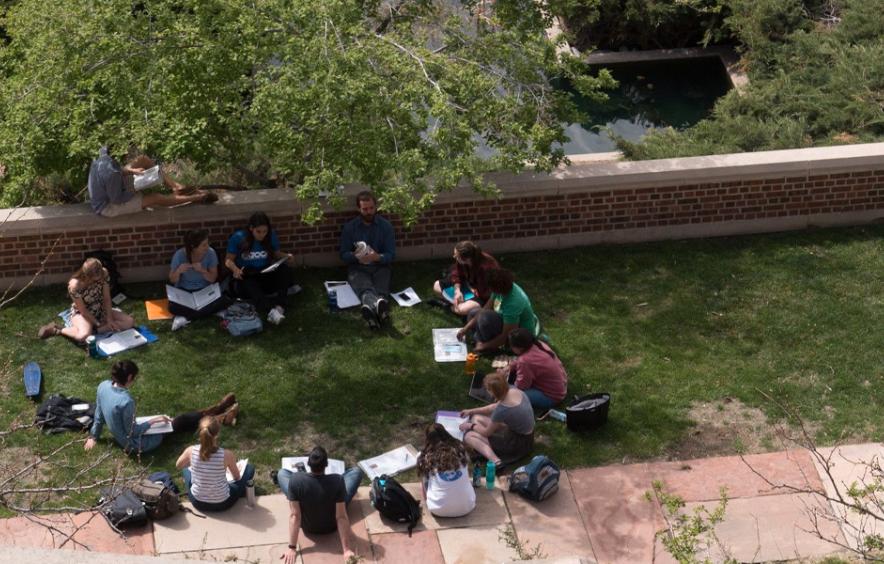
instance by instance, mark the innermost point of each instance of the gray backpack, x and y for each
(242, 319)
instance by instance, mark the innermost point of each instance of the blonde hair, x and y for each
(91, 271)
(496, 385)
(208, 432)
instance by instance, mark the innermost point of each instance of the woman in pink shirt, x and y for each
(539, 372)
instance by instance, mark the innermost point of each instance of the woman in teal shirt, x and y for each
(508, 309)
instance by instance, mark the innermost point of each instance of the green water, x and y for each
(676, 93)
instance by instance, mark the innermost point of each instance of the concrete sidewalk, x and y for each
(599, 514)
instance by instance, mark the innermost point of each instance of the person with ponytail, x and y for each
(194, 266)
(445, 478)
(204, 467)
(539, 372)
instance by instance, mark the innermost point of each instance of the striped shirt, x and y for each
(209, 477)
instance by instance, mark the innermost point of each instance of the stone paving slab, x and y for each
(849, 464)
(269, 553)
(620, 522)
(265, 524)
(94, 534)
(490, 510)
(476, 545)
(555, 523)
(397, 548)
(770, 528)
(702, 479)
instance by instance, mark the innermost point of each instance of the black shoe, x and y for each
(369, 315)
(273, 477)
(441, 304)
(383, 308)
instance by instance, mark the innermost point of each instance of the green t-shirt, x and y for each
(515, 308)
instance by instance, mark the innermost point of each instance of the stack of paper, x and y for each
(407, 297)
(447, 347)
(451, 420)
(156, 428)
(147, 179)
(241, 466)
(334, 466)
(390, 463)
(122, 341)
(344, 293)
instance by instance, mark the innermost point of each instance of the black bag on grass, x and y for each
(588, 412)
(56, 415)
(394, 502)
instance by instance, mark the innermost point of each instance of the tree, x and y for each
(398, 95)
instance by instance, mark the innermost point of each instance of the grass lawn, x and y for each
(662, 327)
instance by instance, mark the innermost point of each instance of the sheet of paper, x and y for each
(344, 293)
(157, 429)
(451, 420)
(148, 179)
(448, 294)
(275, 265)
(334, 466)
(122, 341)
(446, 347)
(240, 465)
(407, 297)
(207, 295)
(390, 463)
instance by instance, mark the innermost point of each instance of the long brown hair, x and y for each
(208, 432)
(193, 239)
(442, 452)
(91, 271)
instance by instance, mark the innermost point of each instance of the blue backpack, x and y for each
(537, 480)
(242, 319)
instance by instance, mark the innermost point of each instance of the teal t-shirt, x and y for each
(515, 309)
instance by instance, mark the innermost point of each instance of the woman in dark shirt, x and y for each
(468, 275)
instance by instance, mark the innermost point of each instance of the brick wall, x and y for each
(589, 202)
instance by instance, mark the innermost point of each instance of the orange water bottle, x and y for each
(469, 368)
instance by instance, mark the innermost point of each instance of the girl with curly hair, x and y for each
(443, 470)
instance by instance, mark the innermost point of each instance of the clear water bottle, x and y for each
(92, 346)
(250, 493)
(558, 415)
(332, 301)
(490, 471)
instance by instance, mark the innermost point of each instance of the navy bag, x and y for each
(537, 480)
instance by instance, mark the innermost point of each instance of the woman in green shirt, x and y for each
(508, 308)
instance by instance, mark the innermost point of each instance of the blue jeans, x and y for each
(352, 479)
(237, 490)
(539, 400)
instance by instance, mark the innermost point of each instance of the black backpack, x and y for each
(394, 502)
(122, 508)
(56, 415)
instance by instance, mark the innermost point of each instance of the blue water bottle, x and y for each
(477, 476)
(558, 415)
(490, 470)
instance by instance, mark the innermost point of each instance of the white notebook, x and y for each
(194, 300)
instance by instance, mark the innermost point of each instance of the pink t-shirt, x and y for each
(539, 369)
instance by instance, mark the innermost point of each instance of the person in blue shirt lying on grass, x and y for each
(249, 252)
(115, 408)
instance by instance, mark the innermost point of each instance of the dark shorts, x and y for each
(510, 446)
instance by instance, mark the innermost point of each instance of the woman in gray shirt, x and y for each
(502, 432)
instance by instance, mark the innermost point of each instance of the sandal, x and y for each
(48, 330)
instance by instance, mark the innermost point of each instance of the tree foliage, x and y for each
(397, 95)
(812, 82)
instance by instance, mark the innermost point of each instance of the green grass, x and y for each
(659, 326)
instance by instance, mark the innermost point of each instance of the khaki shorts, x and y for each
(127, 208)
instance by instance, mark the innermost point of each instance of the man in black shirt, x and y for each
(318, 501)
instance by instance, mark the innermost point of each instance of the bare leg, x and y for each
(79, 329)
(171, 183)
(464, 308)
(437, 289)
(124, 320)
(480, 444)
(167, 200)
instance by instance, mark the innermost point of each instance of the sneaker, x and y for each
(369, 315)
(229, 416)
(293, 289)
(275, 316)
(179, 322)
(383, 307)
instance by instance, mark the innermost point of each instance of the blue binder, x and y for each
(33, 378)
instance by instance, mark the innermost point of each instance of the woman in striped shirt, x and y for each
(204, 467)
